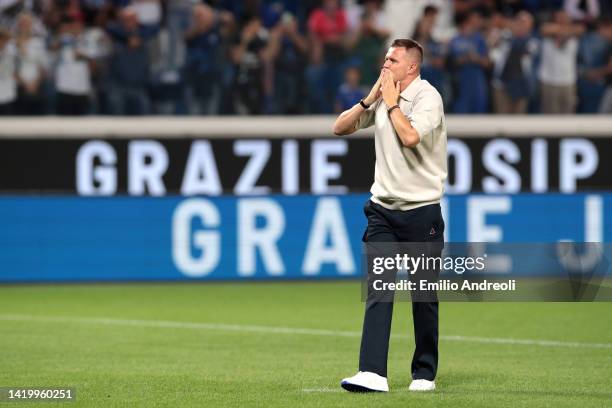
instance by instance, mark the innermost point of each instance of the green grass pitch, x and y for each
(288, 345)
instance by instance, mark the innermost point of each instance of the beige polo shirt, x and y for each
(404, 177)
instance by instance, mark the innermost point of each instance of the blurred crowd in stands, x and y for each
(223, 57)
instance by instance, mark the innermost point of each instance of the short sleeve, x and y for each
(426, 114)
(367, 117)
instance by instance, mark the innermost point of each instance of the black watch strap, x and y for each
(363, 105)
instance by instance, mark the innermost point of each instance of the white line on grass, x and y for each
(313, 390)
(285, 330)
(342, 391)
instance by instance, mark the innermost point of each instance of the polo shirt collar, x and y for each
(409, 93)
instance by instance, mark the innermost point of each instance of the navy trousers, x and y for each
(423, 224)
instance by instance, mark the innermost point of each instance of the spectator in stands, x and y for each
(367, 35)
(557, 72)
(8, 84)
(170, 74)
(593, 59)
(129, 70)
(163, 88)
(605, 106)
(350, 92)
(327, 27)
(33, 63)
(432, 67)
(469, 58)
(179, 17)
(98, 48)
(289, 53)
(73, 69)
(294, 61)
(250, 53)
(493, 27)
(203, 65)
(10, 13)
(8, 10)
(513, 60)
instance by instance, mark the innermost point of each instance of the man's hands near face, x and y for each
(386, 87)
(375, 93)
(390, 89)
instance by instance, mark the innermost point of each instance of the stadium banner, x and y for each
(214, 167)
(67, 238)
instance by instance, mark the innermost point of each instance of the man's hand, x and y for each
(390, 89)
(375, 93)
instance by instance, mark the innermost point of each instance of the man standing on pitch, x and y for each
(411, 167)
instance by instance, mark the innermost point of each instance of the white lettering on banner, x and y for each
(480, 231)
(207, 242)
(328, 221)
(593, 235)
(539, 166)
(478, 208)
(259, 152)
(578, 160)
(88, 174)
(201, 176)
(290, 168)
(260, 228)
(593, 219)
(150, 170)
(143, 175)
(463, 167)
(492, 156)
(322, 171)
(251, 239)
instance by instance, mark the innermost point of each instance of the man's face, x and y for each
(561, 17)
(352, 76)
(24, 23)
(129, 18)
(430, 20)
(330, 5)
(398, 63)
(605, 30)
(475, 22)
(203, 15)
(523, 24)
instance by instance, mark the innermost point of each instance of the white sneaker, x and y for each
(365, 381)
(422, 385)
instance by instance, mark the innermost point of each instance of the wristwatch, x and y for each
(363, 105)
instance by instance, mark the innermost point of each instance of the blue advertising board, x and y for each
(55, 238)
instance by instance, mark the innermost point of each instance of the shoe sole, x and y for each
(357, 388)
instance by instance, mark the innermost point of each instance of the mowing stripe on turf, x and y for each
(284, 330)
